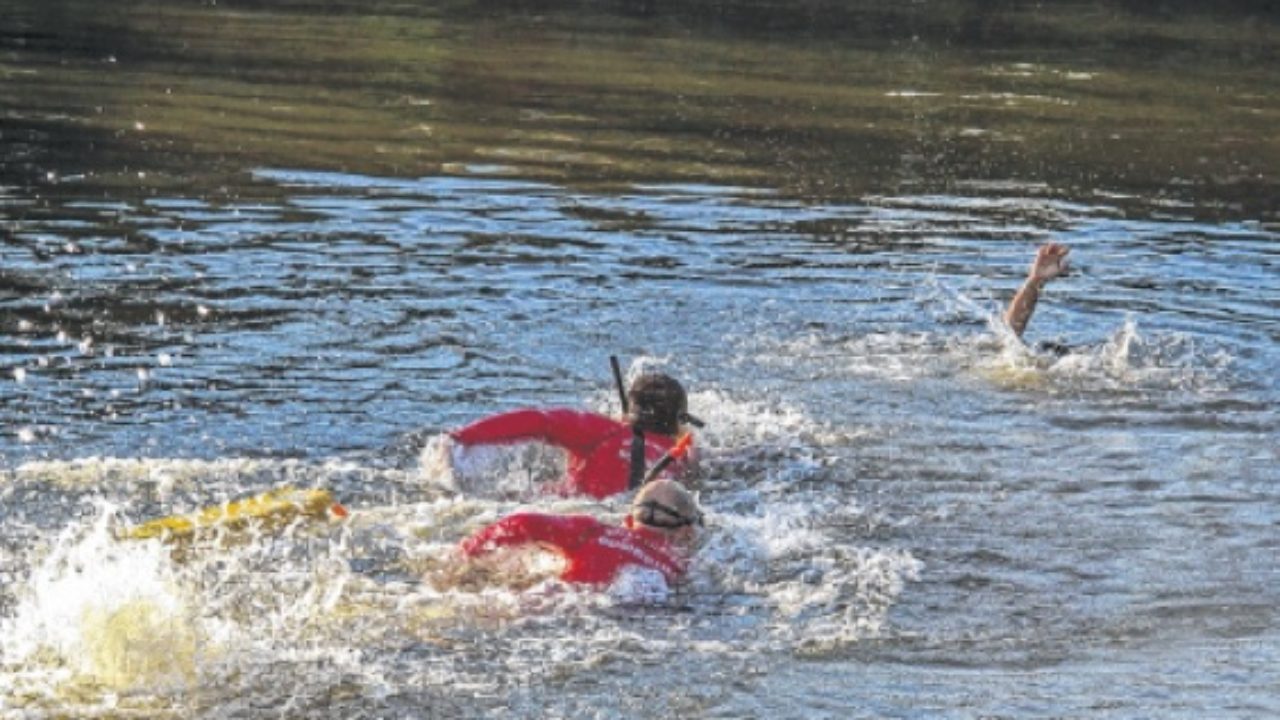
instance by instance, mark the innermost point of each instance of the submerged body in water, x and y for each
(657, 535)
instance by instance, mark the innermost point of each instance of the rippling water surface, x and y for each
(291, 244)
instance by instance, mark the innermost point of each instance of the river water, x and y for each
(250, 245)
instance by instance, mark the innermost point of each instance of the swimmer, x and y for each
(1050, 262)
(605, 456)
(658, 535)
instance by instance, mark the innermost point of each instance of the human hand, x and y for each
(1050, 262)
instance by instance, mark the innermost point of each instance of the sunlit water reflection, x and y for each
(892, 480)
(242, 250)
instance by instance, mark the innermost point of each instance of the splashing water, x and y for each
(101, 612)
(106, 623)
(864, 418)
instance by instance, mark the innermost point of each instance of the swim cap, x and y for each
(666, 504)
(657, 403)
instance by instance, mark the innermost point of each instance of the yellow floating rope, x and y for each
(272, 509)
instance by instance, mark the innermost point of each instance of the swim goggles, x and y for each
(650, 508)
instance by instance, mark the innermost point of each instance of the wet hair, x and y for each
(657, 403)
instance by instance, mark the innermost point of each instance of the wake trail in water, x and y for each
(103, 625)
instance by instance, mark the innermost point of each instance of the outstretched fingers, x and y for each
(1050, 262)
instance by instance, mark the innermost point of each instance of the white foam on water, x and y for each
(183, 484)
(639, 586)
(166, 474)
(734, 423)
(775, 555)
(818, 589)
(1125, 360)
(497, 471)
(772, 551)
(1120, 358)
(112, 613)
(135, 626)
(778, 546)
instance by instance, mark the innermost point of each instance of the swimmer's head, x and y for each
(666, 505)
(658, 403)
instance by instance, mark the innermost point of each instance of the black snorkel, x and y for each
(637, 476)
(617, 380)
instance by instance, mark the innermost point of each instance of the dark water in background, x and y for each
(250, 244)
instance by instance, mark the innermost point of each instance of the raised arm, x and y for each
(563, 532)
(573, 430)
(1050, 262)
